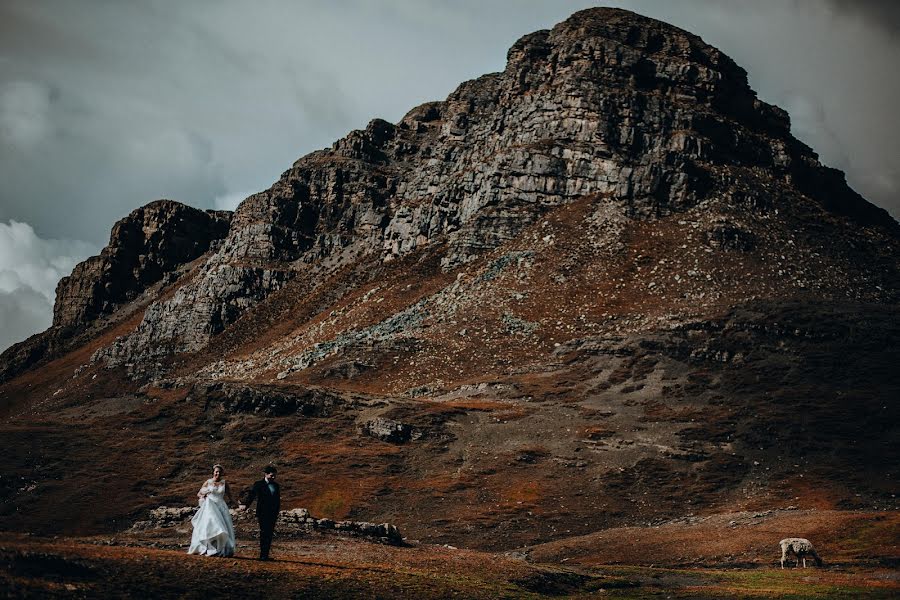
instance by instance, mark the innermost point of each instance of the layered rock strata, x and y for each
(647, 118)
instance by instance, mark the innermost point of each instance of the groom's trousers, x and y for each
(266, 532)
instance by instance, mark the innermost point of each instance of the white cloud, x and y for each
(23, 312)
(30, 268)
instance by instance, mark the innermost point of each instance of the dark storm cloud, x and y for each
(106, 105)
(881, 14)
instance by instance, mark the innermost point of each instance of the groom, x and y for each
(267, 494)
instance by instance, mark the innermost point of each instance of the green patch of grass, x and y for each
(640, 583)
(797, 584)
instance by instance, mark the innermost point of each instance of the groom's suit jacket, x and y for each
(267, 503)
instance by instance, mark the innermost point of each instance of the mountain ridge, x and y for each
(326, 207)
(604, 286)
(699, 74)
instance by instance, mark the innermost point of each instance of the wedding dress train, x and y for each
(213, 528)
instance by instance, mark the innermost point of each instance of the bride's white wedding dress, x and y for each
(213, 529)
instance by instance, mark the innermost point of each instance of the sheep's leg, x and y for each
(783, 556)
(804, 562)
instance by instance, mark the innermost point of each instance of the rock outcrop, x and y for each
(295, 521)
(269, 401)
(388, 430)
(144, 247)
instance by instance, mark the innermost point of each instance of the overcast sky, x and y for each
(106, 105)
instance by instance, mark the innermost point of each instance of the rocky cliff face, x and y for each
(143, 247)
(646, 118)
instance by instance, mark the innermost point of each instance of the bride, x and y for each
(213, 529)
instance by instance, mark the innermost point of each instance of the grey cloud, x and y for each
(809, 118)
(78, 163)
(150, 107)
(29, 261)
(25, 26)
(24, 113)
(23, 313)
(882, 14)
(230, 201)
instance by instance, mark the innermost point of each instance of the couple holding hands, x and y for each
(213, 529)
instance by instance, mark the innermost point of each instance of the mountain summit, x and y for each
(603, 286)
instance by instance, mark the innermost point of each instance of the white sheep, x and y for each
(800, 548)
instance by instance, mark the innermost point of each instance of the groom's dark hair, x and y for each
(270, 469)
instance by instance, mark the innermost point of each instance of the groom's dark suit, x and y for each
(268, 503)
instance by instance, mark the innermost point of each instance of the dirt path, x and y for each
(329, 567)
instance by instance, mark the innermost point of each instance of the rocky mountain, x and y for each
(148, 246)
(604, 286)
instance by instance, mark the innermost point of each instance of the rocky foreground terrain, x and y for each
(602, 293)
